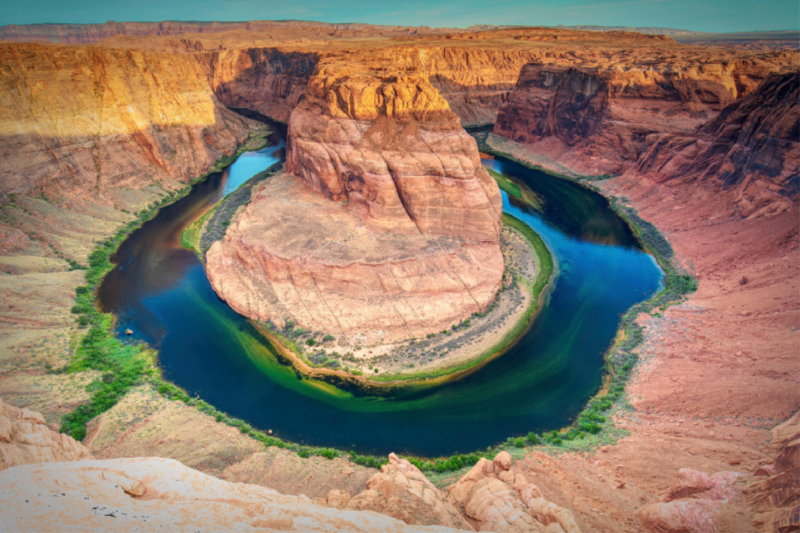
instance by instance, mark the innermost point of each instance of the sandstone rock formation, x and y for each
(776, 498)
(293, 255)
(401, 491)
(91, 120)
(403, 239)
(25, 438)
(151, 493)
(600, 119)
(753, 146)
(692, 505)
(391, 145)
(496, 499)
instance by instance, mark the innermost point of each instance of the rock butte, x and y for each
(704, 140)
(292, 255)
(391, 149)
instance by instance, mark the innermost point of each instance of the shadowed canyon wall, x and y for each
(752, 148)
(597, 120)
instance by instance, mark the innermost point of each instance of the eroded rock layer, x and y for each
(391, 145)
(90, 120)
(598, 119)
(294, 255)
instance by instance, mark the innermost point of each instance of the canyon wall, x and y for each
(752, 147)
(78, 121)
(597, 120)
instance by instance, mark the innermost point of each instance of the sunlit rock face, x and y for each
(391, 145)
(76, 121)
(149, 493)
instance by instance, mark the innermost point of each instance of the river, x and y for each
(160, 291)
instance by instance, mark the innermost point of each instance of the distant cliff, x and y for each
(597, 120)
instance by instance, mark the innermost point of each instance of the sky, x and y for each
(696, 15)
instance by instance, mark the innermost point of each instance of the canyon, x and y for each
(702, 142)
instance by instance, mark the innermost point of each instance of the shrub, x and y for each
(328, 454)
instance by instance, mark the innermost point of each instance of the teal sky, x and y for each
(697, 15)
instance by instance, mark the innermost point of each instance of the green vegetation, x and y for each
(99, 350)
(123, 366)
(505, 184)
(211, 227)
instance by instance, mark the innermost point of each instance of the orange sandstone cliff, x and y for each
(78, 121)
(388, 227)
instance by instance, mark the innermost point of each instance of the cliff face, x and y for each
(597, 120)
(269, 81)
(81, 120)
(752, 147)
(390, 145)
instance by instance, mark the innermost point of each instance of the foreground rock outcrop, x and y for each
(697, 503)
(149, 493)
(401, 491)
(495, 498)
(775, 497)
(25, 438)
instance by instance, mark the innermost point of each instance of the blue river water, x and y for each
(161, 292)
